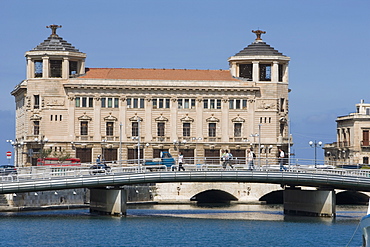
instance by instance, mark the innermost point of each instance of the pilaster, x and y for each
(255, 72)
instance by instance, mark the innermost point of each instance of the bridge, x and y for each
(106, 186)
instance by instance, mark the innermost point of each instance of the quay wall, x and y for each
(155, 193)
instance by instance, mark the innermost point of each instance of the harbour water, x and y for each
(181, 225)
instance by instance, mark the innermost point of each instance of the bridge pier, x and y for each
(309, 202)
(110, 201)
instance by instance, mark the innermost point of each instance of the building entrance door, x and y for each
(84, 154)
(212, 156)
(110, 154)
(188, 155)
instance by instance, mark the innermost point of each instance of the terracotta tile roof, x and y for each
(158, 74)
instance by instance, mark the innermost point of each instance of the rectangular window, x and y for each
(231, 104)
(36, 127)
(60, 118)
(282, 104)
(192, 103)
(244, 104)
(167, 103)
(135, 129)
(265, 72)
(136, 103)
(186, 129)
(205, 103)
(116, 102)
(281, 72)
(160, 103)
(237, 104)
(84, 128)
(218, 104)
(141, 103)
(73, 68)
(186, 103)
(160, 129)
(109, 128)
(212, 129)
(179, 103)
(245, 71)
(78, 101)
(51, 117)
(110, 102)
(103, 102)
(84, 102)
(212, 104)
(36, 102)
(91, 102)
(128, 103)
(155, 103)
(38, 68)
(237, 129)
(365, 138)
(55, 68)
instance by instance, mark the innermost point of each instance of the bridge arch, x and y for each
(213, 196)
(273, 197)
(351, 197)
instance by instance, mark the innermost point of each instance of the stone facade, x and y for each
(86, 112)
(353, 143)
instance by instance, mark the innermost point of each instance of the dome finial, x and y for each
(54, 29)
(258, 33)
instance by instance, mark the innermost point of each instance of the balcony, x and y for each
(212, 139)
(343, 144)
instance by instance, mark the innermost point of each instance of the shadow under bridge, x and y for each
(213, 196)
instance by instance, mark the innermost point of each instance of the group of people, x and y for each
(226, 158)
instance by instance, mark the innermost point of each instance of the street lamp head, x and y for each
(184, 141)
(174, 142)
(320, 143)
(310, 143)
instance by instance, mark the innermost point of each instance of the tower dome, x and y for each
(55, 58)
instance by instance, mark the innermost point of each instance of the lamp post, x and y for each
(315, 144)
(103, 144)
(16, 145)
(259, 143)
(120, 143)
(178, 143)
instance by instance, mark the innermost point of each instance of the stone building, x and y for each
(353, 143)
(66, 107)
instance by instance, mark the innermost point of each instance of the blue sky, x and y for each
(328, 43)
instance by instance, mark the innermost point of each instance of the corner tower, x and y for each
(42, 115)
(265, 68)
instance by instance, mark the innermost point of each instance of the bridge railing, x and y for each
(194, 164)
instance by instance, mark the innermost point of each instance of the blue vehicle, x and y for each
(166, 160)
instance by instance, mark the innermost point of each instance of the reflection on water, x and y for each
(181, 225)
(240, 212)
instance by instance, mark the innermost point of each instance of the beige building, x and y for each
(66, 107)
(353, 143)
